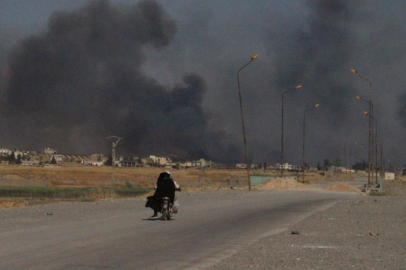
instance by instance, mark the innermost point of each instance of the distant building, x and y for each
(5, 151)
(58, 158)
(48, 150)
(154, 160)
(29, 162)
(285, 166)
(241, 166)
(201, 163)
(128, 163)
(92, 163)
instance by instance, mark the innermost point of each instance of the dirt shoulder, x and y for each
(363, 233)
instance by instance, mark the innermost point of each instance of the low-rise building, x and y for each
(241, 166)
(48, 150)
(29, 162)
(156, 161)
(5, 151)
(92, 163)
(58, 158)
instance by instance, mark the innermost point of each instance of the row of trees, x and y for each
(12, 159)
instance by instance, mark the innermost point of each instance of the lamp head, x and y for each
(254, 57)
(317, 105)
(354, 71)
(299, 86)
(358, 97)
(366, 113)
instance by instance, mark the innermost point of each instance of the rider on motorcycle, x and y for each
(165, 187)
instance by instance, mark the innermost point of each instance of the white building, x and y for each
(154, 160)
(48, 150)
(5, 151)
(58, 158)
(285, 166)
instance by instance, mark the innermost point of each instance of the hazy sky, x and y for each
(311, 42)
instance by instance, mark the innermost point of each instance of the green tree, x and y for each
(337, 162)
(18, 161)
(327, 164)
(53, 160)
(318, 166)
(109, 161)
(12, 158)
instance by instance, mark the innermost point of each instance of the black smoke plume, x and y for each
(81, 80)
(316, 55)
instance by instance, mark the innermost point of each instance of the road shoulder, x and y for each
(361, 233)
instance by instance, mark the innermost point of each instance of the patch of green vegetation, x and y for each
(76, 193)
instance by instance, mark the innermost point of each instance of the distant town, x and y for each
(49, 156)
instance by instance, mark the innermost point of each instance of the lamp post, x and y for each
(370, 143)
(370, 139)
(304, 133)
(282, 167)
(382, 167)
(242, 120)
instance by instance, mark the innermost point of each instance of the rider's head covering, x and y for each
(168, 172)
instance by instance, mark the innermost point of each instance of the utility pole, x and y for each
(345, 159)
(350, 160)
(170, 158)
(114, 141)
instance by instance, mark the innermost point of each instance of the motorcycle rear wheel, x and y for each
(164, 214)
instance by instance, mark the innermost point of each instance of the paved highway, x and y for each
(119, 235)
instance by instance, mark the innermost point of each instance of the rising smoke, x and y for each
(81, 81)
(316, 56)
(103, 70)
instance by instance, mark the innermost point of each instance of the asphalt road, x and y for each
(119, 235)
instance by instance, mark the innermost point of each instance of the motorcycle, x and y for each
(166, 208)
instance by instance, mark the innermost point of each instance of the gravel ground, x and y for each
(368, 232)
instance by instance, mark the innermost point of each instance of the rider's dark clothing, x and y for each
(165, 188)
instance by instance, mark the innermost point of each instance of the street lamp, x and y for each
(304, 129)
(370, 143)
(297, 87)
(370, 138)
(242, 120)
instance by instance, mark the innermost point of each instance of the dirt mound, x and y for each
(343, 187)
(282, 183)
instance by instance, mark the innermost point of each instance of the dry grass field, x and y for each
(57, 182)
(83, 176)
(191, 180)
